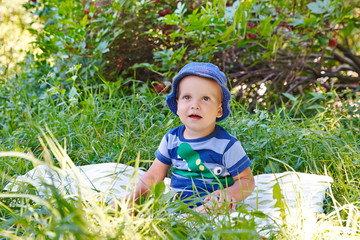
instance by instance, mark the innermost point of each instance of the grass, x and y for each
(102, 123)
(64, 215)
(112, 127)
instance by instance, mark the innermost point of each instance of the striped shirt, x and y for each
(201, 166)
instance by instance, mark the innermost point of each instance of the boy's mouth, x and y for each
(195, 116)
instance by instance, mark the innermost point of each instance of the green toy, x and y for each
(197, 169)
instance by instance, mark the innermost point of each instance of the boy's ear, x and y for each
(220, 111)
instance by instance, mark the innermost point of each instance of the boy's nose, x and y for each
(195, 105)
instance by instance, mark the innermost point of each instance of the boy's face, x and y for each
(199, 103)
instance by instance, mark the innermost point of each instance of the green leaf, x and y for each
(316, 96)
(277, 22)
(170, 19)
(289, 96)
(73, 92)
(323, 41)
(103, 46)
(265, 26)
(316, 7)
(145, 65)
(315, 106)
(311, 21)
(159, 189)
(297, 21)
(227, 32)
(84, 21)
(238, 16)
(279, 197)
(259, 214)
(267, 55)
(181, 9)
(221, 6)
(348, 29)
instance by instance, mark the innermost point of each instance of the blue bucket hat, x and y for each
(207, 70)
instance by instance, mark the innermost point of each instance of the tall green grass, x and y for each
(97, 128)
(62, 215)
(104, 124)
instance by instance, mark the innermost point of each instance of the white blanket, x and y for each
(303, 194)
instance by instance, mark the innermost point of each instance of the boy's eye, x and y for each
(206, 98)
(186, 97)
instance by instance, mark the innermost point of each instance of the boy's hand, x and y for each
(215, 202)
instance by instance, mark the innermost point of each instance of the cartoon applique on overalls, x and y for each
(198, 170)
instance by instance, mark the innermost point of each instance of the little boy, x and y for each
(208, 163)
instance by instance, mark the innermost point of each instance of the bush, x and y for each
(267, 48)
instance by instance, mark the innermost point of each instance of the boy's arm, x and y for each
(156, 173)
(243, 186)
